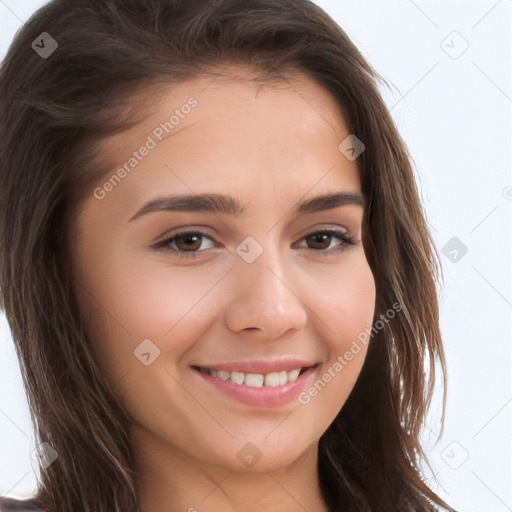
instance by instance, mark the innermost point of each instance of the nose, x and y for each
(265, 297)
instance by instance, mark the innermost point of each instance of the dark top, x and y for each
(30, 505)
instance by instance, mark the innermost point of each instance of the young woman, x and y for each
(214, 262)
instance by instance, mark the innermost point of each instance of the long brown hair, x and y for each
(55, 109)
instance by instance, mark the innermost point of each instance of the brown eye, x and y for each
(187, 244)
(182, 243)
(321, 241)
(190, 242)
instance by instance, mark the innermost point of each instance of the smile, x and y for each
(258, 389)
(256, 380)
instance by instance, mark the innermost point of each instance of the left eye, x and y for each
(320, 237)
(190, 242)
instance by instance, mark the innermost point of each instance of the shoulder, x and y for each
(13, 504)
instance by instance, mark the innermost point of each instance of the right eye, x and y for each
(183, 243)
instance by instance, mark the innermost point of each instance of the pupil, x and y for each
(189, 239)
(321, 237)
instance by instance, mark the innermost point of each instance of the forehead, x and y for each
(233, 103)
(236, 132)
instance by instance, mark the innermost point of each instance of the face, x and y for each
(251, 283)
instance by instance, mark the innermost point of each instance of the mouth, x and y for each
(256, 380)
(273, 389)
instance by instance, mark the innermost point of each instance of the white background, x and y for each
(455, 116)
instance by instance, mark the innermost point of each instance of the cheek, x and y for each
(342, 299)
(344, 313)
(160, 300)
(130, 302)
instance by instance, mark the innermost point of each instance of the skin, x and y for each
(269, 146)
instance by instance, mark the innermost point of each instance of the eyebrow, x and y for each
(219, 203)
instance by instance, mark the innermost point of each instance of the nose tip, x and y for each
(264, 299)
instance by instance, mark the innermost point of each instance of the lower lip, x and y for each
(263, 396)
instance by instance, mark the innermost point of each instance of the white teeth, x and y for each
(256, 380)
(272, 379)
(222, 374)
(293, 374)
(237, 377)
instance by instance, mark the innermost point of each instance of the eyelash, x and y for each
(164, 243)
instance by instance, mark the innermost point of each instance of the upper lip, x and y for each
(261, 366)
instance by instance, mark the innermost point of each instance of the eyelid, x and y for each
(185, 230)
